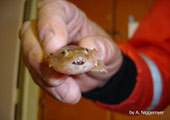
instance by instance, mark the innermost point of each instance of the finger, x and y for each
(67, 92)
(52, 27)
(50, 76)
(39, 80)
(33, 55)
(59, 23)
(86, 82)
(29, 42)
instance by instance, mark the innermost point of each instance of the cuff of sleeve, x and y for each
(141, 96)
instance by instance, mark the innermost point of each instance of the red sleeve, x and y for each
(150, 50)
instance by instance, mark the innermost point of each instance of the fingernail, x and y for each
(54, 82)
(58, 97)
(62, 90)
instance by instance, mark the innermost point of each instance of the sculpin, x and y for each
(73, 60)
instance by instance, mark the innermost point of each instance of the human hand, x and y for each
(60, 23)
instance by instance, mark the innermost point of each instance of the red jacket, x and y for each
(149, 48)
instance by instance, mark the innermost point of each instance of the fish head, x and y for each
(73, 60)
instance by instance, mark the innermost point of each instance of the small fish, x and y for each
(73, 60)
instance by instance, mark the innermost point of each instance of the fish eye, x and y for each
(64, 52)
(86, 50)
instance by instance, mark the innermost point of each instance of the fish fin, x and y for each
(99, 67)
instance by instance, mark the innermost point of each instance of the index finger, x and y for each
(52, 27)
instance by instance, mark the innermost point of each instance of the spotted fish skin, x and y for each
(73, 60)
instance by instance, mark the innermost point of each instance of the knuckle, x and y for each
(24, 28)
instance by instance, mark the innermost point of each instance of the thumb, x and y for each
(108, 52)
(69, 91)
(104, 45)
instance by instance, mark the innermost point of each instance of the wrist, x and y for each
(118, 87)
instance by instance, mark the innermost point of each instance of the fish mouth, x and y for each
(79, 61)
